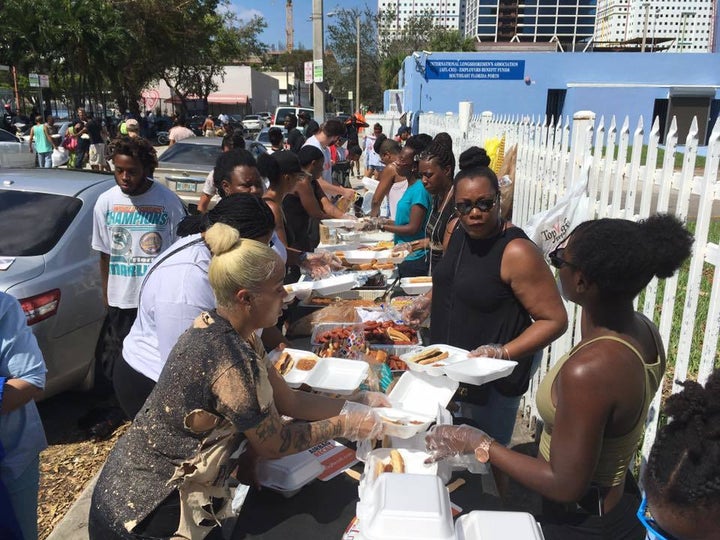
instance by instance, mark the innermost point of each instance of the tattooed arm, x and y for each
(272, 439)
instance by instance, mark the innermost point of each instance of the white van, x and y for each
(282, 112)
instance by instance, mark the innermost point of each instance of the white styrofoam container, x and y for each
(300, 290)
(364, 237)
(414, 461)
(345, 223)
(455, 355)
(415, 399)
(407, 507)
(290, 473)
(415, 288)
(479, 370)
(493, 525)
(338, 375)
(337, 247)
(295, 377)
(334, 284)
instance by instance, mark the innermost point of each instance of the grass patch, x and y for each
(699, 160)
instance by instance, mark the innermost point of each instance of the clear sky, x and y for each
(273, 11)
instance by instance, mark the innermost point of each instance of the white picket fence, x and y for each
(550, 158)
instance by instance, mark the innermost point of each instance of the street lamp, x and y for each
(357, 58)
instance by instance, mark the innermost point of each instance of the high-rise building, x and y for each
(570, 22)
(447, 13)
(671, 25)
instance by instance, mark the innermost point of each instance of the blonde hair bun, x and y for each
(221, 238)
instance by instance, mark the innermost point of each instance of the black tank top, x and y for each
(472, 306)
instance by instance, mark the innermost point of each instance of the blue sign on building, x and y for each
(503, 70)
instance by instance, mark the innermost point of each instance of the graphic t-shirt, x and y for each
(133, 231)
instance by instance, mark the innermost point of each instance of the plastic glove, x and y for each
(491, 350)
(444, 442)
(360, 422)
(415, 313)
(320, 265)
(405, 246)
(371, 399)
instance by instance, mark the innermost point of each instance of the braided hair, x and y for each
(440, 152)
(622, 256)
(247, 213)
(684, 464)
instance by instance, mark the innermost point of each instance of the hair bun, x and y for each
(473, 158)
(221, 238)
(668, 242)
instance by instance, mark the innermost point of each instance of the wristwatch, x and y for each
(482, 452)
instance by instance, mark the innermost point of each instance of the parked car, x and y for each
(185, 165)
(266, 116)
(50, 267)
(282, 112)
(15, 151)
(253, 122)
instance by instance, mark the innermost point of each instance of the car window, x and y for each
(6, 136)
(43, 219)
(263, 136)
(197, 154)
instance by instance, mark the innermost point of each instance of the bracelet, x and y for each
(506, 354)
(302, 257)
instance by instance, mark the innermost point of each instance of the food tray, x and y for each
(415, 288)
(455, 355)
(334, 284)
(336, 375)
(344, 223)
(494, 525)
(414, 461)
(363, 256)
(479, 370)
(415, 400)
(288, 474)
(389, 347)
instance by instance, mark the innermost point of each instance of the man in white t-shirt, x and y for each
(179, 131)
(133, 223)
(329, 133)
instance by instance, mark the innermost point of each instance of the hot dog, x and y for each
(394, 464)
(284, 364)
(428, 356)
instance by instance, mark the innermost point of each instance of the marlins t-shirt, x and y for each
(134, 230)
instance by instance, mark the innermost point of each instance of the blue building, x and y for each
(537, 83)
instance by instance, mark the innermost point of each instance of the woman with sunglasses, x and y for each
(493, 294)
(594, 400)
(167, 476)
(682, 476)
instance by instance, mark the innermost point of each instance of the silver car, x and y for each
(184, 166)
(253, 122)
(15, 151)
(48, 264)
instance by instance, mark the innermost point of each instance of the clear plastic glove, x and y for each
(405, 246)
(360, 422)
(444, 442)
(416, 313)
(371, 399)
(491, 350)
(320, 265)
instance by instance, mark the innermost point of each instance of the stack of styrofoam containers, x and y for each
(289, 474)
(493, 525)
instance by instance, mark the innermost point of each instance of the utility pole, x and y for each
(357, 64)
(318, 50)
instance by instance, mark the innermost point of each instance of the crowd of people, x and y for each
(193, 310)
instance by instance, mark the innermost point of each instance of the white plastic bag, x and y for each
(550, 227)
(60, 156)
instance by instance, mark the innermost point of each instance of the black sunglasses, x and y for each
(557, 260)
(484, 205)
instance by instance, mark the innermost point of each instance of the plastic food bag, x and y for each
(60, 156)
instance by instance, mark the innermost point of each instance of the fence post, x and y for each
(485, 120)
(580, 142)
(465, 112)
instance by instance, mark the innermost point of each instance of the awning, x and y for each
(231, 99)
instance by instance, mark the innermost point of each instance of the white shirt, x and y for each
(176, 291)
(327, 165)
(133, 230)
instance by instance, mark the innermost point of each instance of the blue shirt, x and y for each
(21, 431)
(414, 194)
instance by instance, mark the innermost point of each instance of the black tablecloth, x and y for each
(323, 510)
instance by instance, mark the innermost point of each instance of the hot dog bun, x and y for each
(284, 364)
(396, 460)
(420, 279)
(433, 359)
(430, 355)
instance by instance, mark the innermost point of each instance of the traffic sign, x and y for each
(318, 70)
(308, 72)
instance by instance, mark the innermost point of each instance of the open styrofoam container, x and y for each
(414, 461)
(493, 525)
(300, 290)
(295, 377)
(334, 284)
(335, 375)
(413, 288)
(455, 355)
(479, 370)
(290, 473)
(415, 400)
(365, 237)
(363, 256)
(344, 223)
(407, 507)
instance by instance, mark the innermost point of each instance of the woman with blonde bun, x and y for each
(167, 476)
